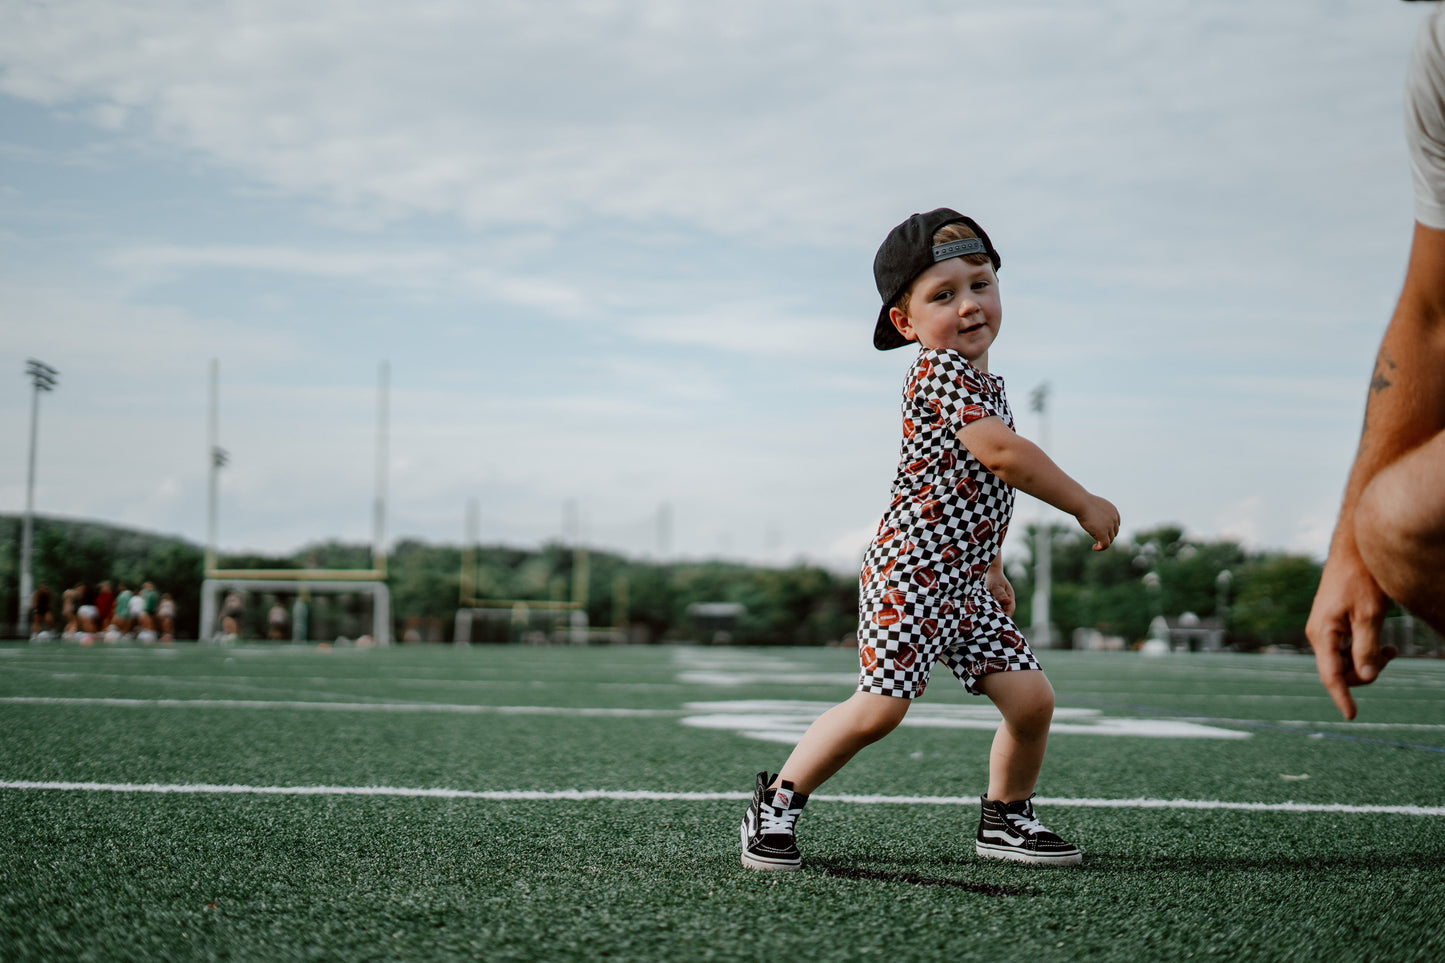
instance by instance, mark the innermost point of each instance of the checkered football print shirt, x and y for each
(948, 514)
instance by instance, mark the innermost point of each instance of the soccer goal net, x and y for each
(296, 609)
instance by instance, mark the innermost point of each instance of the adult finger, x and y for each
(1365, 649)
(1332, 667)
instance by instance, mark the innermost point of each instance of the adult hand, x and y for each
(1344, 629)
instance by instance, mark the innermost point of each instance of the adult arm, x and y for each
(1024, 465)
(1404, 410)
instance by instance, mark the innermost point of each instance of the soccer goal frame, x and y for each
(470, 608)
(300, 581)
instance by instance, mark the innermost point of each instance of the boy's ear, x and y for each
(903, 323)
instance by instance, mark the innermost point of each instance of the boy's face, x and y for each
(955, 305)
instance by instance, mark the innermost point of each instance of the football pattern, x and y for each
(921, 593)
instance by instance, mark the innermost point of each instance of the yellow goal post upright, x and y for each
(301, 581)
(518, 612)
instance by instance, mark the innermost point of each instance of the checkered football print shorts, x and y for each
(972, 636)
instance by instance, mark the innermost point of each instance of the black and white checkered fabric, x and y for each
(922, 596)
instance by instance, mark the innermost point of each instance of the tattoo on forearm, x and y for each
(1377, 384)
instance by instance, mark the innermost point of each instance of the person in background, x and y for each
(277, 620)
(120, 621)
(166, 617)
(42, 619)
(104, 606)
(137, 614)
(232, 611)
(86, 614)
(69, 604)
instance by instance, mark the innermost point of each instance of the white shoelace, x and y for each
(1026, 823)
(775, 820)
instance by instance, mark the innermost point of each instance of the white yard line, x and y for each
(640, 795)
(341, 706)
(923, 715)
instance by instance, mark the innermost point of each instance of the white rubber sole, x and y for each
(1024, 856)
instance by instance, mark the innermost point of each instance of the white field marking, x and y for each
(340, 706)
(267, 683)
(785, 721)
(1129, 697)
(725, 658)
(726, 667)
(1315, 724)
(723, 678)
(729, 667)
(1341, 724)
(250, 682)
(241, 680)
(234, 683)
(644, 795)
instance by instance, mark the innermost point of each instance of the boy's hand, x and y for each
(1100, 519)
(1000, 588)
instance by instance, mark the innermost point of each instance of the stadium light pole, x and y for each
(383, 440)
(1043, 538)
(216, 458)
(42, 377)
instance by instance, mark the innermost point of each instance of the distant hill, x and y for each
(799, 605)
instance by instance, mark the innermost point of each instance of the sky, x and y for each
(617, 259)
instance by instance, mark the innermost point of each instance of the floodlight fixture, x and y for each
(42, 378)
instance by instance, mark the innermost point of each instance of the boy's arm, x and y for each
(1406, 406)
(1022, 464)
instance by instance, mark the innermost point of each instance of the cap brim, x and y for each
(885, 335)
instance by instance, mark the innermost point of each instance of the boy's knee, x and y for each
(1034, 716)
(1025, 699)
(875, 716)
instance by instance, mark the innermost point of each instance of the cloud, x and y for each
(284, 260)
(626, 245)
(746, 119)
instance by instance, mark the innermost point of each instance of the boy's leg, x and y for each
(1026, 701)
(837, 735)
(1008, 828)
(768, 840)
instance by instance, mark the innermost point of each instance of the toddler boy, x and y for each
(932, 587)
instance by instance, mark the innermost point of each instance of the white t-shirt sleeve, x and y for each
(1425, 120)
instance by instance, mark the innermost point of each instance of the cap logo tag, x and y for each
(969, 245)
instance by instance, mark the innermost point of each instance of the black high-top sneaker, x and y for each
(768, 840)
(1011, 831)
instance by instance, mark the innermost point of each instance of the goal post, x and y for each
(300, 582)
(565, 618)
(568, 619)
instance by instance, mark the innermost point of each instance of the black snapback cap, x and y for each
(907, 252)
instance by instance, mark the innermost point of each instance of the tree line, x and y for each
(1263, 600)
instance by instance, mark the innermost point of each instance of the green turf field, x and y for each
(517, 803)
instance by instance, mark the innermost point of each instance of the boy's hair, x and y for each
(957, 231)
